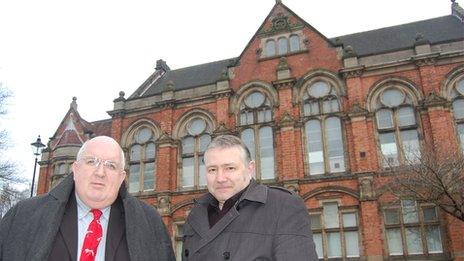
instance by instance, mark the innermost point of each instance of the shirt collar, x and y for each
(83, 210)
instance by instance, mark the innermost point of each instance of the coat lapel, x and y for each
(218, 228)
(198, 219)
(116, 229)
(47, 221)
(68, 228)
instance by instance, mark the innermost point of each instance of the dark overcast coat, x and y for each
(266, 223)
(28, 231)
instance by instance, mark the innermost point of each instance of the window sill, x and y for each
(438, 256)
(262, 59)
(329, 176)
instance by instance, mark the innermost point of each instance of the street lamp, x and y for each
(37, 148)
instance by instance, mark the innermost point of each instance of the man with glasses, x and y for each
(88, 216)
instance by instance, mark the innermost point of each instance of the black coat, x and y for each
(33, 230)
(266, 223)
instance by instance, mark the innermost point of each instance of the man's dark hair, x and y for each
(229, 141)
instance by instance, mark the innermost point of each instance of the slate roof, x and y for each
(437, 30)
(190, 77)
(102, 127)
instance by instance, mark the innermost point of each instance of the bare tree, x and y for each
(431, 175)
(9, 194)
(7, 168)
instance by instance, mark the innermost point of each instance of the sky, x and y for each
(53, 50)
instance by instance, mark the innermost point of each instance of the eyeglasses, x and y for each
(94, 162)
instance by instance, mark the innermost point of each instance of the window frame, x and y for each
(396, 129)
(421, 224)
(255, 127)
(196, 155)
(143, 160)
(456, 95)
(341, 229)
(178, 239)
(322, 117)
(275, 39)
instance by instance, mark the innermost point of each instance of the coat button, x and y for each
(226, 255)
(186, 252)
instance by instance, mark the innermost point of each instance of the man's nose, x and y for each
(221, 176)
(100, 169)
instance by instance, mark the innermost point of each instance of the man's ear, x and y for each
(123, 175)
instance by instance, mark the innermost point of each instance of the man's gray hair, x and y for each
(229, 141)
(84, 146)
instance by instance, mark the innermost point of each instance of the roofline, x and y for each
(392, 26)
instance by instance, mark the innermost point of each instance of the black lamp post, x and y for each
(37, 148)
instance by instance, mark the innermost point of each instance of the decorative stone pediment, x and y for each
(165, 140)
(434, 100)
(356, 111)
(221, 130)
(287, 121)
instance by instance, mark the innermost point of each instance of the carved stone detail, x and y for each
(352, 71)
(425, 60)
(286, 121)
(433, 100)
(221, 130)
(222, 94)
(165, 139)
(292, 186)
(366, 185)
(164, 205)
(357, 110)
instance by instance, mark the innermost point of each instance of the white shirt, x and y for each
(84, 217)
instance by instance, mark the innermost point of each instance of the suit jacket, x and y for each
(65, 245)
(45, 228)
(266, 223)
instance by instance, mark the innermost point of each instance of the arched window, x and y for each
(142, 155)
(397, 127)
(195, 140)
(323, 129)
(59, 173)
(255, 112)
(60, 168)
(457, 96)
(294, 43)
(270, 48)
(283, 45)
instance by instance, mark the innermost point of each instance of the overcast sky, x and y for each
(52, 50)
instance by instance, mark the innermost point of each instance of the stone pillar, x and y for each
(287, 155)
(440, 122)
(361, 141)
(370, 220)
(165, 164)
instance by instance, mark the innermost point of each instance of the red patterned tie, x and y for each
(92, 237)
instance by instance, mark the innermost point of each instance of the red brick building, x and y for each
(321, 116)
